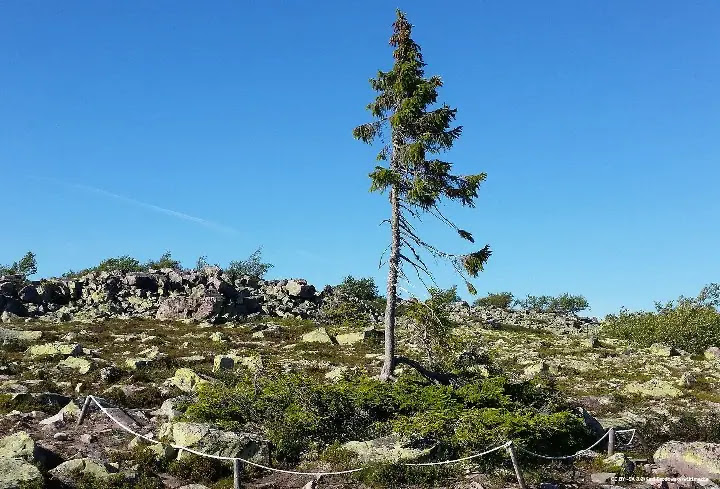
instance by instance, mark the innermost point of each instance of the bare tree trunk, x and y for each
(388, 368)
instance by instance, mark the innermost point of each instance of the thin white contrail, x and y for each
(163, 210)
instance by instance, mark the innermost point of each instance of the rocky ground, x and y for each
(147, 364)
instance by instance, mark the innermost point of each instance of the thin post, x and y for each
(611, 442)
(84, 410)
(516, 466)
(237, 470)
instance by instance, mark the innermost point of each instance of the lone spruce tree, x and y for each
(413, 131)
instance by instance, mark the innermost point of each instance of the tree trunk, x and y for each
(388, 368)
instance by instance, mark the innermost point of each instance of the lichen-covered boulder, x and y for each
(55, 350)
(319, 335)
(142, 281)
(661, 350)
(19, 335)
(619, 463)
(18, 445)
(16, 473)
(253, 363)
(66, 471)
(712, 353)
(300, 289)
(653, 388)
(535, 369)
(54, 293)
(350, 338)
(30, 295)
(81, 365)
(204, 438)
(223, 362)
(384, 450)
(137, 363)
(186, 380)
(168, 408)
(690, 459)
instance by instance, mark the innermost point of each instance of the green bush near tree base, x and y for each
(691, 324)
(301, 415)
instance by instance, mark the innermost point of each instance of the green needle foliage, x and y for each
(413, 132)
(26, 266)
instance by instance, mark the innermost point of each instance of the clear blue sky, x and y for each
(210, 128)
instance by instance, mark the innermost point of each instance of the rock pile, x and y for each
(494, 317)
(210, 295)
(205, 295)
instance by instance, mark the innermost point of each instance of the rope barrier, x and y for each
(565, 457)
(499, 447)
(507, 445)
(273, 469)
(632, 437)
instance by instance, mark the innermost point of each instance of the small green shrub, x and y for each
(563, 303)
(432, 325)
(165, 261)
(115, 481)
(397, 475)
(301, 415)
(123, 264)
(680, 426)
(145, 398)
(23, 403)
(691, 324)
(360, 288)
(502, 300)
(199, 469)
(26, 266)
(252, 266)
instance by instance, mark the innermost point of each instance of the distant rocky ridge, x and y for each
(210, 295)
(206, 295)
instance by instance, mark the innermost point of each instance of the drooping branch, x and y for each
(437, 377)
(416, 265)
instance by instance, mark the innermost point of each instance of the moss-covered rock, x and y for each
(690, 459)
(653, 388)
(384, 450)
(19, 335)
(350, 338)
(319, 335)
(224, 362)
(186, 380)
(81, 365)
(55, 350)
(16, 473)
(67, 471)
(18, 445)
(204, 438)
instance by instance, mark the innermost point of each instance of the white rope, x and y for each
(633, 431)
(504, 445)
(151, 440)
(350, 471)
(564, 457)
(293, 472)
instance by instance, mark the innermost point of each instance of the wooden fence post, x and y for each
(84, 410)
(516, 466)
(611, 442)
(237, 470)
